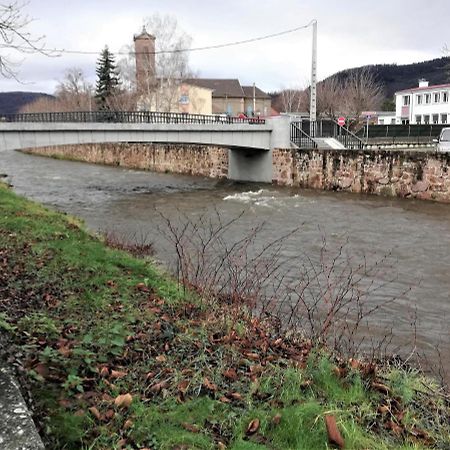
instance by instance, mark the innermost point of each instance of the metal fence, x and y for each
(400, 134)
(129, 117)
(323, 128)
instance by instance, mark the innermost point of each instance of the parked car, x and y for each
(443, 143)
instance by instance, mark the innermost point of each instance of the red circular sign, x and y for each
(341, 121)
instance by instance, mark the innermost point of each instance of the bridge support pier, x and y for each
(246, 164)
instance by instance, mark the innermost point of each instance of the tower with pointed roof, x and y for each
(144, 47)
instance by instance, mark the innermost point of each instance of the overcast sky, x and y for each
(351, 33)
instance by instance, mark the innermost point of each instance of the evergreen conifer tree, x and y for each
(108, 81)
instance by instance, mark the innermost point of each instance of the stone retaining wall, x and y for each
(202, 160)
(414, 174)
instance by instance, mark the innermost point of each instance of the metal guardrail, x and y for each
(326, 128)
(401, 134)
(300, 138)
(129, 117)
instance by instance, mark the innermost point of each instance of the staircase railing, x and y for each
(300, 138)
(306, 131)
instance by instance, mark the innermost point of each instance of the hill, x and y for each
(395, 77)
(12, 102)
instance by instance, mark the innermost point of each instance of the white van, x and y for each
(443, 143)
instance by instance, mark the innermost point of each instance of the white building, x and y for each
(423, 105)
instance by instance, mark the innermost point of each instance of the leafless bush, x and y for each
(329, 299)
(136, 243)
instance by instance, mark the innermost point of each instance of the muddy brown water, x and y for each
(415, 234)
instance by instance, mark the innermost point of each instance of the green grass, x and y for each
(93, 323)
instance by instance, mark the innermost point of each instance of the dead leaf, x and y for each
(396, 429)
(380, 387)
(224, 399)
(230, 374)
(334, 435)
(158, 387)
(209, 385)
(121, 443)
(221, 446)
(252, 427)
(123, 401)
(118, 374)
(236, 396)
(183, 386)
(128, 424)
(64, 351)
(95, 412)
(41, 369)
(104, 371)
(109, 414)
(161, 359)
(276, 419)
(190, 427)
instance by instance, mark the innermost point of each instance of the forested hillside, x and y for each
(395, 77)
(12, 102)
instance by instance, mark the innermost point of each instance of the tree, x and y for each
(14, 36)
(171, 64)
(361, 92)
(108, 81)
(74, 93)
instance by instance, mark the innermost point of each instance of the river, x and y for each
(415, 234)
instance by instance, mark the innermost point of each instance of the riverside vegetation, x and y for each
(113, 353)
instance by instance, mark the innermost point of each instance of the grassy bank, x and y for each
(115, 355)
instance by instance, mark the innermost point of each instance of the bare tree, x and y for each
(74, 92)
(361, 92)
(292, 100)
(14, 36)
(171, 65)
(329, 97)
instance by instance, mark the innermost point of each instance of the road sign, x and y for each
(341, 121)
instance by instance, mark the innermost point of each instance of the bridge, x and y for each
(250, 140)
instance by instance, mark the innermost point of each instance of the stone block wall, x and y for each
(202, 160)
(407, 174)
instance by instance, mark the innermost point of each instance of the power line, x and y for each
(186, 50)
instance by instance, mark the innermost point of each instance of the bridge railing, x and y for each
(130, 117)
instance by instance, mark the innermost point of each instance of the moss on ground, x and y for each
(115, 355)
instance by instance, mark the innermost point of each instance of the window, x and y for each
(427, 98)
(419, 99)
(418, 119)
(380, 121)
(426, 119)
(435, 118)
(443, 118)
(436, 97)
(406, 100)
(392, 121)
(445, 97)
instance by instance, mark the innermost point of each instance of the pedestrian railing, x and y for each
(130, 117)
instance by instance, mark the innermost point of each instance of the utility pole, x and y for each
(313, 93)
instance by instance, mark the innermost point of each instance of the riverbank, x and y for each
(113, 353)
(412, 174)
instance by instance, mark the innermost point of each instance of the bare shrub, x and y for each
(329, 300)
(136, 243)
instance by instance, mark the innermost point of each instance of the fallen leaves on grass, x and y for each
(123, 401)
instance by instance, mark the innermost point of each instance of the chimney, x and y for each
(423, 83)
(144, 47)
